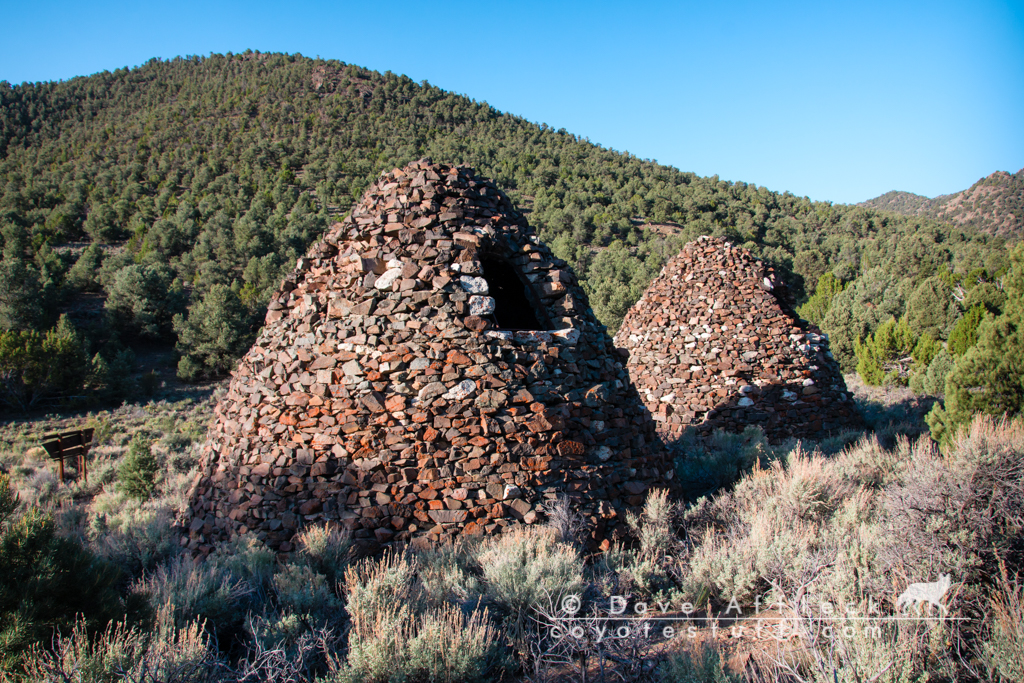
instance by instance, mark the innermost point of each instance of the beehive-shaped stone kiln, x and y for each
(428, 370)
(711, 344)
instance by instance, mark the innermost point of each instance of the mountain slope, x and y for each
(188, 187)
(994, 204)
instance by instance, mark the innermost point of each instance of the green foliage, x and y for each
(218, 331)
(8, 499)
(987, 295)
(880, 357)
(862, 306)
(704, 465)
(989, 377)
(84, 275)
(36, 366)
(326, 550)
(925, 351)
(817, 306)
(21, 293)
(212, 181)
(965, 333)
(701, 663)
(1004, 651)
(923, 354)
(142, 300)
(932, 309)
(136, 476)
(46, 582)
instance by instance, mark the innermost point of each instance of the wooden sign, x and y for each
(69, 445)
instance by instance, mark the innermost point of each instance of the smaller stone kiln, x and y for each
(712, 346)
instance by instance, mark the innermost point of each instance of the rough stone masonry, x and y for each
(428, 370)
(712, 346)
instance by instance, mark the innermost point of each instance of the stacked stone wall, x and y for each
(711, 345)
(383, 396)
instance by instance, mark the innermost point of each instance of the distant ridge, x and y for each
(994, 204)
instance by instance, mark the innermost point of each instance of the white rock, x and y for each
(603, 453)
(569, 335)
(512, 492)
(745, 402)
(385, 281)
(461, 390)
(473, 285)
(481, 305)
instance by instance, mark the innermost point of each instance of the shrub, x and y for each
(48, 580)
(1004, 650)
(701, 663)
(35, 366)
(653, 527)
(169, 653)
(390, 640)
(448, 573)
(135, 539)
(565, 521)
(524, 570)
(302, 591)
(382, 599)
(702, 466)
(949, 512)
(218, 331)
(450, 648)
(326, 550)
(136, 475)
(208, 592)
(142, 300)
(774, 527)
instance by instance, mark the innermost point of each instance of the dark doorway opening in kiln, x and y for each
(515, 306)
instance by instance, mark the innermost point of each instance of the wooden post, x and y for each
(61, 461)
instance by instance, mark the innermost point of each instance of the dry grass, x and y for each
(852, 522)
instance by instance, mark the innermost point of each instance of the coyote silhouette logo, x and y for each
(922, 593)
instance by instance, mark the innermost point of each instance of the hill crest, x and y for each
(994, 204)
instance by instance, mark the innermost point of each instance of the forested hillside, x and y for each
(165, 202)
(994, 204)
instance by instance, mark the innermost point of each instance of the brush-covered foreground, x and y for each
(816, 543)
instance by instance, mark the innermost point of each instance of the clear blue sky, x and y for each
(837, 101)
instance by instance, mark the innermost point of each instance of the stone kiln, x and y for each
(428, 370)
(710, 344)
